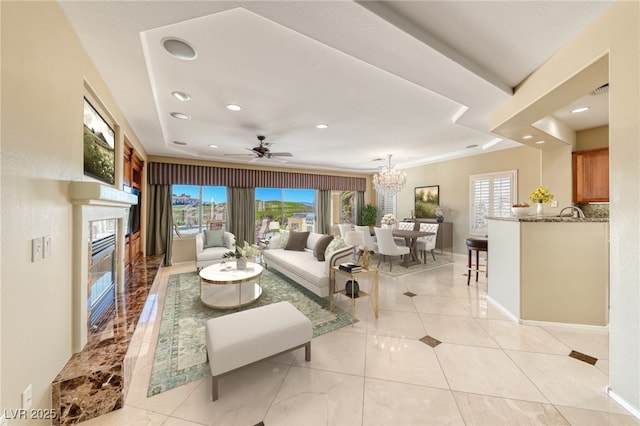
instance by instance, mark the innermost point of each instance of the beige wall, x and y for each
(614, 38)
(551, 168)
(598, 137)
(44, 70)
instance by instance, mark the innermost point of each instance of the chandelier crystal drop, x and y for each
(389, 181)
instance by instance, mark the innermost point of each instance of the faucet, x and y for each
(580, 212)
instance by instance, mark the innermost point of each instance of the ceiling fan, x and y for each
(262, 151)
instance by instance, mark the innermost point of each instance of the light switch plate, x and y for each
(36, 249)
(554, 203)
(46, 253)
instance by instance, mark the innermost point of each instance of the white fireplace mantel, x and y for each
(94, 201)
(96, 193)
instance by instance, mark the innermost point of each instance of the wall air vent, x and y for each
(602, 89)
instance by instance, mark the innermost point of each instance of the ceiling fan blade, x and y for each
(254, 159)
(281, 154)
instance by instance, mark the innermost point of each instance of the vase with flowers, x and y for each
(242, 254)
(388, 221)
(440, 212)
(539, 196)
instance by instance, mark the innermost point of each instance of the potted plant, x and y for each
(369, 213)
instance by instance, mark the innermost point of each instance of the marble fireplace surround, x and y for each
(94, 380)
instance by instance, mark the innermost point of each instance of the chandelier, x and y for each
(389, 181)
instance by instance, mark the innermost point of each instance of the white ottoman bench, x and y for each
(244, 338)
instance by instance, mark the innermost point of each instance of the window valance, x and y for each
(186, 174)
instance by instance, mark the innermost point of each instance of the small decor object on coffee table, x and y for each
(242, 254)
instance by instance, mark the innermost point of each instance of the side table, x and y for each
(353, 277)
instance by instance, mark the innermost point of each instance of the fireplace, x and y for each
(102, 271)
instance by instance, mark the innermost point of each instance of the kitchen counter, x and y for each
(550, 269)
(551, 219)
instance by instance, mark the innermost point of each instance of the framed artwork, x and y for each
(426, 199)
(99, 146)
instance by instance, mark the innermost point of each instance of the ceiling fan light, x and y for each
(389, 181)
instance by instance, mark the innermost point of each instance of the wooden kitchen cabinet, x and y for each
(590, 171)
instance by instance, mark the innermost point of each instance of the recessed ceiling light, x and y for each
(527, 136)
(179, 143)
(539, 142)
(322, 126)
(234, 107)
(471, 146)
(581, 109)
(181, 96)
(213, 146)
(180, 116)
(179, 48)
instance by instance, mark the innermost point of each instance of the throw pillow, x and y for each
(297, 241)
(284, 238)
(334, 245)
(321, 246)
(214, 238)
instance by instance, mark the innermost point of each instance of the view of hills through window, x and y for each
(205, 207)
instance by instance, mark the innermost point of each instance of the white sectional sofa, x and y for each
(303, 267)
(210, 255)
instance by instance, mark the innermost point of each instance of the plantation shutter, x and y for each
(386, 204)
(491, 194)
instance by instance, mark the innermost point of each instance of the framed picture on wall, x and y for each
(99, 146)
(426, 199)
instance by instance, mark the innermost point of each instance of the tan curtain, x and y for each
(242, 213)
(160, 222)
(359, 206)
(323, 211)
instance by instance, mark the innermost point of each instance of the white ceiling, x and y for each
(386, 77)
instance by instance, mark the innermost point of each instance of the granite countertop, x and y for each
(549, 218)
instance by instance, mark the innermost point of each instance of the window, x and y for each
(491, 194)
(386, 204)
(196, 208)
(293, 209)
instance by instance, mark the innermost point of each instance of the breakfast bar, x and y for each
(550, 269)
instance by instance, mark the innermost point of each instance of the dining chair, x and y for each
(404, 226)
(344, 228)
(427, 243)
(387, 246)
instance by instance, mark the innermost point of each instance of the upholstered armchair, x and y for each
(212, 245)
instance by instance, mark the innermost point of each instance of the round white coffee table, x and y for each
(224, 286)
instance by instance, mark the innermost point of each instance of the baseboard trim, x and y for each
(631, 409)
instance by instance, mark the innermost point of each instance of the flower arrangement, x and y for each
(243, 252)
(441, 210)
(541, 195)
(388, 219)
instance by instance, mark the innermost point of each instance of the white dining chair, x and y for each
(344, 228)
(427, 243)
(387, 246)
(404, 226)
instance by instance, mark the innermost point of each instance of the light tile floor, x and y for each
(487, 370)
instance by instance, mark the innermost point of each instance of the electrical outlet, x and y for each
(27, 398)
(36, 249)
(554, 203)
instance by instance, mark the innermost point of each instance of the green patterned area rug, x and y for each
(180, 355)
(398, 270)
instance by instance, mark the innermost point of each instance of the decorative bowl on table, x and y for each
(520, 211)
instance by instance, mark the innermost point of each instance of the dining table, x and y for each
(411, 238)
